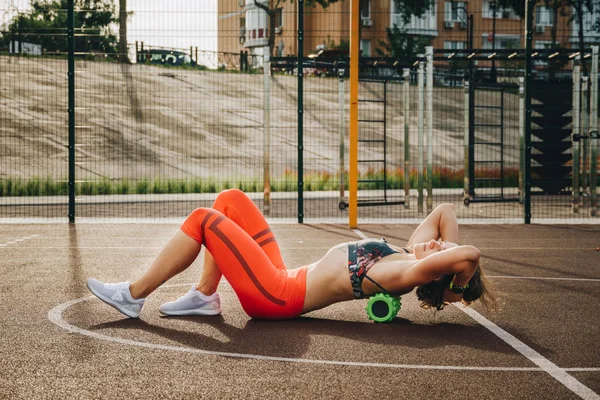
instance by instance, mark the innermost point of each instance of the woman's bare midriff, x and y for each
(328, 280)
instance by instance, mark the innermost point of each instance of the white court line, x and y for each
(537, 248)
(542, 278)
(55, 316)
(144, 247)
(308, 220)
(281, 247)
(546, 365)
(19, 240)
(556, 372)
(360, 234)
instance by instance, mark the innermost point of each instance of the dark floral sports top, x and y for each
(362, 255)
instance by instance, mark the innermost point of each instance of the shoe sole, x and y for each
(189, 312)
(111, 303)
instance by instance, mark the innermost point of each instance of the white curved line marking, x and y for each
(55, 316)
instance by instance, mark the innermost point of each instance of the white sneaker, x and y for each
(117, 295)
(193, 303)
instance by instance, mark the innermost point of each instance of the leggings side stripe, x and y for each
(203, 225)
(267, 241)
(261, 233)
(214, 227)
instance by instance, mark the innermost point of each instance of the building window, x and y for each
(501, 13)
(426, 25)
(590, 33)
(455, 11)
(502, 42)
(242, 27)
(365, 48)
(454, 45)
(542, 44)
(544, 16)
(365, 9)
(279, 17)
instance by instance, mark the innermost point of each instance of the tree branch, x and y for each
(264, 8)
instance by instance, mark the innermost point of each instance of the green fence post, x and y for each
(421, 128)
(594, 138)
(300, 111)
(429, 113)
(467, 177)
(575, 138)
(406, 88)
(528, 71)
(266, 131)
(71, 108)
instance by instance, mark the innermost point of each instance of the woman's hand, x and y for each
(422, 250)
(448, 245)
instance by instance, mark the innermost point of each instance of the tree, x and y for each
(410, 8)
(271, 7)
(123, 53)
(401, 45)
(518, 6)
(579, 8)
(45, 24)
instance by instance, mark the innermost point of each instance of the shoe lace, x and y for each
(189, 294)
(121, 286)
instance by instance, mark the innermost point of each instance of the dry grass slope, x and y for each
(143, 121)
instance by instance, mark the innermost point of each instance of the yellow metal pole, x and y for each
(354, 54)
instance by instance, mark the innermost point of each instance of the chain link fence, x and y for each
(167, 104)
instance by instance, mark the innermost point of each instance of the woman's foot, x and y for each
(117, 295)
(193, 303)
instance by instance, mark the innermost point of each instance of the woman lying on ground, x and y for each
(241, 246)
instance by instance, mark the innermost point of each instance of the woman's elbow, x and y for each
(472, 253)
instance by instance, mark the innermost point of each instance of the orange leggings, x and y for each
(237, 235)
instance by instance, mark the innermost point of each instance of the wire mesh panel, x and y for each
(33, 117)
(175, 101)
(283, 155)
(156, 134)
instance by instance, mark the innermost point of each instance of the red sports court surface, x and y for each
(58, 342)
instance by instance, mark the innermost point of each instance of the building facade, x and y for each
(244, 27)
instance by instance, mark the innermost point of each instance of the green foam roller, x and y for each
(383, 307)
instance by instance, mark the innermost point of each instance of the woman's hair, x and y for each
(431, 294)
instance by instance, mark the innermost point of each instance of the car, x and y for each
(327, 62)
(164, 57)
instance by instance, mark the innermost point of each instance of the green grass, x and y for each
(443, 177)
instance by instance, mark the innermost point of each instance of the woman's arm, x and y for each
(460, 261)
(441, 223)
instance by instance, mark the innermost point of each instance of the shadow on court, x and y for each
(57, 342)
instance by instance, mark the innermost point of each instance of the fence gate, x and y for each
(487, 171)
(372, 146)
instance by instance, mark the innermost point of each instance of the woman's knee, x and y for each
(198, 213)
(229, 196)
(446, 208)
(192, 226)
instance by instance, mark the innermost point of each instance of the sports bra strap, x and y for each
(362, 255)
